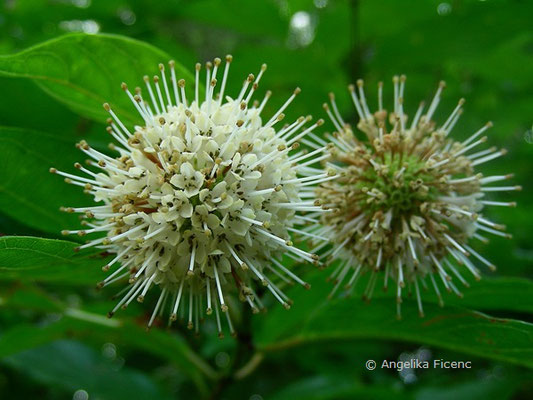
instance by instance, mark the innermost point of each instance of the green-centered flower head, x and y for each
(408, 199)
(201, 200)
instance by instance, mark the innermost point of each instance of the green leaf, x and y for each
(451, 327)
(102, 378)
(325, 387)
(502, 294)
(28, 192)
(85, 71)
(50, 260)
(28, 297)
(87, 326)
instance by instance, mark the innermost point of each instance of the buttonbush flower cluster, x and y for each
(409, 197)
(202, 199)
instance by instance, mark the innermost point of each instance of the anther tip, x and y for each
(107, 107)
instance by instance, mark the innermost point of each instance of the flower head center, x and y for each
(399, 183)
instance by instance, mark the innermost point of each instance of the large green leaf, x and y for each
(451, 327)
(28, 192)
(85, 71)
(38, 259)
(102, 378)
(489, 294)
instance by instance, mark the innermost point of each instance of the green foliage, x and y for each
(48, 260)
(54, 81)
(52, 365)
(26, 157)
(453, 328)
(85, 71)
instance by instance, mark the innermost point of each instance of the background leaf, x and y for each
(451, 327)
(38, 259)
(85, 71)
(100, 377)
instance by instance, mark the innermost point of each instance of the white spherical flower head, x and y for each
(409, 199)
(202, 198)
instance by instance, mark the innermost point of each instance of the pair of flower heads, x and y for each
(210, 201)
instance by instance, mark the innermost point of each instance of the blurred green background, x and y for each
(482, 49)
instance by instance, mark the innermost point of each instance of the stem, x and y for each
(245, 349)
(354, 56)
(249, 367)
